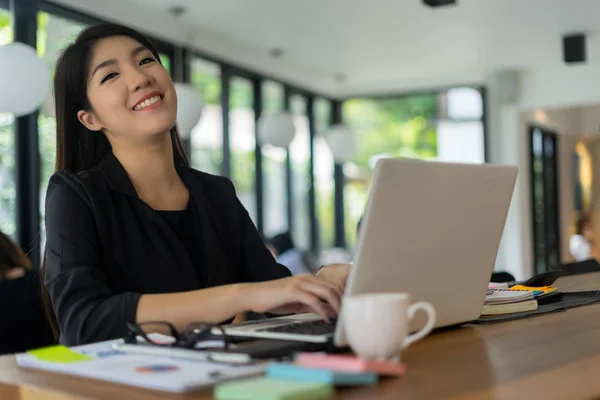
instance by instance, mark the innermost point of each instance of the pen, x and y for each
(232, 358)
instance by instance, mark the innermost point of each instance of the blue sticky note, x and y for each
(320, 375)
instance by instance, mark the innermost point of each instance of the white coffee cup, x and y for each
(376, 325)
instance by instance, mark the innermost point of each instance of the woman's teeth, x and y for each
(146, 103)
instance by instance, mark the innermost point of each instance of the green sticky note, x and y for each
(59, 354)
(265, 388)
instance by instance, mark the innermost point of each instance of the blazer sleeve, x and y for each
(258, 264)
(86, 308)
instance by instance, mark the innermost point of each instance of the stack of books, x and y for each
(503, 300)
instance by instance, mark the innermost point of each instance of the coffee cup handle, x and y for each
(428, 308)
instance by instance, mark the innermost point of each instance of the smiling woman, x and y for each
(133, 233)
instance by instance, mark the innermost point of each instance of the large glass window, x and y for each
(398, 127)
(460, 136)
(243, 142)
(165, 61)
(300, 156)
(53, 35)
(273, 159)
(324, 183)
(7, 148)
(444, 126)
(207, 135)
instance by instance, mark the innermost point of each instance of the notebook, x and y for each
(507, 308)
(507, 296)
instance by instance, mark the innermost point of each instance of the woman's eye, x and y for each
(146, 60)
(109, 76)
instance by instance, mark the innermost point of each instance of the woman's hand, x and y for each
(336, 274)
(296, 294)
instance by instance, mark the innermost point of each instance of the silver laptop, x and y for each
(431, 229)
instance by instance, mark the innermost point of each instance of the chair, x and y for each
(502, 277)
(581, 267)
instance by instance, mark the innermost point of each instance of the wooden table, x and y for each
(554, 356)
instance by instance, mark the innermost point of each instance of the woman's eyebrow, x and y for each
(113, 61)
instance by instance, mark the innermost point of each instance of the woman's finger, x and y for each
(311, 301)
(338, 288)
(325, 292)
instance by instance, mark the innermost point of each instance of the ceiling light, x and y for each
(177, 11)
(438, 3)
(276, 52)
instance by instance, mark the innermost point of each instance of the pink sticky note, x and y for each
(349, 364)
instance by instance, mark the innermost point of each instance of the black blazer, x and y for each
(106, 247)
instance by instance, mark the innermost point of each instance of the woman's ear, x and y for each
(89, 120)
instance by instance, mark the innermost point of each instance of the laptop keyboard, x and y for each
(317, 327)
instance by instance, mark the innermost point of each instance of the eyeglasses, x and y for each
(193, 333)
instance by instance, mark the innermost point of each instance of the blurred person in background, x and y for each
(340, 255)
(285, 252)
(22, 322)
(582, 245)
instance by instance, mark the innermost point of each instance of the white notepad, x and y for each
(508, 296)
(150, 372)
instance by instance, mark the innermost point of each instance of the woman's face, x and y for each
(131, 94)
(587, 230)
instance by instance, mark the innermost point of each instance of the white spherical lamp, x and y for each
(342, 142)
(276, 129)
(189, 108)
(24, 79)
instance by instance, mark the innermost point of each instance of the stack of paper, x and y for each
(503, 301)
(507, 296)
(102, 361)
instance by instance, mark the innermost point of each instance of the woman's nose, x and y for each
(139, 80)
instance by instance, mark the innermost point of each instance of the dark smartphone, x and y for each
(277, 349)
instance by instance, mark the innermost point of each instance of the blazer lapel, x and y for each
(118, 180)
(219, 259)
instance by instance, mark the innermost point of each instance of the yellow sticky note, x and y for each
(59, 354)
(545, 289)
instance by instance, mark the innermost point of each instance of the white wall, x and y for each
(507, 145)
(561, 86)
(566, 197)
(590, 120)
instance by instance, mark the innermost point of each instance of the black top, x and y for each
(106, 247)
(184, 224)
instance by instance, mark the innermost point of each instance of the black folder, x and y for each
(557, 303)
